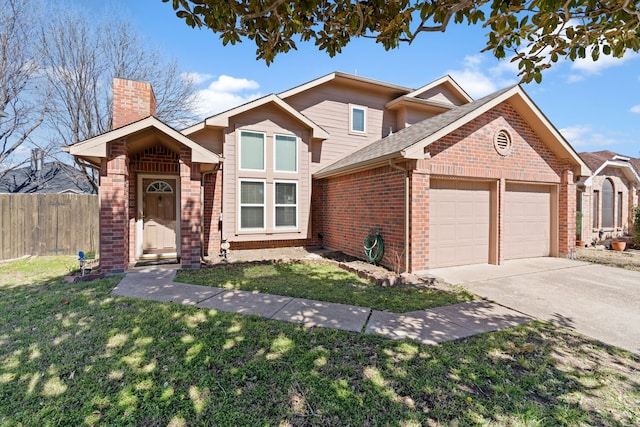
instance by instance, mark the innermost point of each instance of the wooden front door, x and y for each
(159, 216)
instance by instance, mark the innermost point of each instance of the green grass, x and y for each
(322, 282)
(72, 354)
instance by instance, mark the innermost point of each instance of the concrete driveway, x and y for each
(597, 301)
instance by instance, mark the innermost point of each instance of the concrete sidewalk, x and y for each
(425, 326)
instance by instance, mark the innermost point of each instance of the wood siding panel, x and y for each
(328, 106)
(270, 120)
(442, 95)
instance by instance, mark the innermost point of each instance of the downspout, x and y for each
(202, 177)
(406, 212)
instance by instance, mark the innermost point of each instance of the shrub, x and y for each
(635, 238)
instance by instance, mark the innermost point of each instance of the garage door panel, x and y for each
(527, 223)
(459, 223)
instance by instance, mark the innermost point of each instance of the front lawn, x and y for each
(72, 354)
(322, 282)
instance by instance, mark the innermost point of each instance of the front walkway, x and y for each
(426, 326)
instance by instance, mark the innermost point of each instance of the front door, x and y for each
(159, 216)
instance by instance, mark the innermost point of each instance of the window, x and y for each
(251, 205)
(358, 119)
(608, 205)
(620, 224)
(252, 149)
(159, 187)
(286, 153)
(596, 208)
(286, 204)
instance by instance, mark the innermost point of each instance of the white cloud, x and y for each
(589, 66)
(224, 93)
(478, 79)
(582, 136)
(197, 78)
(635, 109)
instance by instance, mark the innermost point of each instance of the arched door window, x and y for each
(608, 199)
(159, 187)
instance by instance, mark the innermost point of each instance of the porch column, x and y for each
(114, 210)
(567, 214)
(190, 211)
(419, 217)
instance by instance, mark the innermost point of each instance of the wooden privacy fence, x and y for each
(48, 224)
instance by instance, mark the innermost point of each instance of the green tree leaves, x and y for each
(534, 33)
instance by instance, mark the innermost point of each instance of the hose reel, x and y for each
(373, 246)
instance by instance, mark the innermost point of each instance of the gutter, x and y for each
(392, 165)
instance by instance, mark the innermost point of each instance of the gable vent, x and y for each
(502, 143)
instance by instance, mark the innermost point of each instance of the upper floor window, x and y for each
(358, 119)
(252, 150)
(286, 153)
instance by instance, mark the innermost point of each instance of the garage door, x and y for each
(527, 221)
(459, 223)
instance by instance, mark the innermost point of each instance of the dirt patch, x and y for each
(629, 259)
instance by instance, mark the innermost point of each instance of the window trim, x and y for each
(263, 205)
(276, 205)
(275, 143)
(364, 110)
(264, 150)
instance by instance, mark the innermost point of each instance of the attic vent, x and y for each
(502, 143)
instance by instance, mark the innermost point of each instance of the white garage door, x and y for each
(459, 223)
(527, 221)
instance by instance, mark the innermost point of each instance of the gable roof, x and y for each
(337, 75)
(95, 148)
(445, 81)
(599, 160)
(54, 177)
(410, 142)
(222, 119)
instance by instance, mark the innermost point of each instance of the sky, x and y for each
(595, 105)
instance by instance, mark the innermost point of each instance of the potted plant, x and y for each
(618, 244)
(579, 241)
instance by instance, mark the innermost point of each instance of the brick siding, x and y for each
(132, 101)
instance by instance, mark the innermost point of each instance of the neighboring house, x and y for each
(607, 198)
(45, 177)
(444, 179)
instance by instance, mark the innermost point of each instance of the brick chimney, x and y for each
(132, 101)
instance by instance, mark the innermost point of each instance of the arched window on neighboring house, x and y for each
(608, 203)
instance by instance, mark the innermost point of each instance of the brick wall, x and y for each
(469, 152)
(362, 201)
(114, 209)
(190, 212)
(419, 219)
(132, 101)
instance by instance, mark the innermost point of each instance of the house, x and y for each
(607, 197)
(443, 179)
(45, 177)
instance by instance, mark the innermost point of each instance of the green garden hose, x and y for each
(373, 247)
